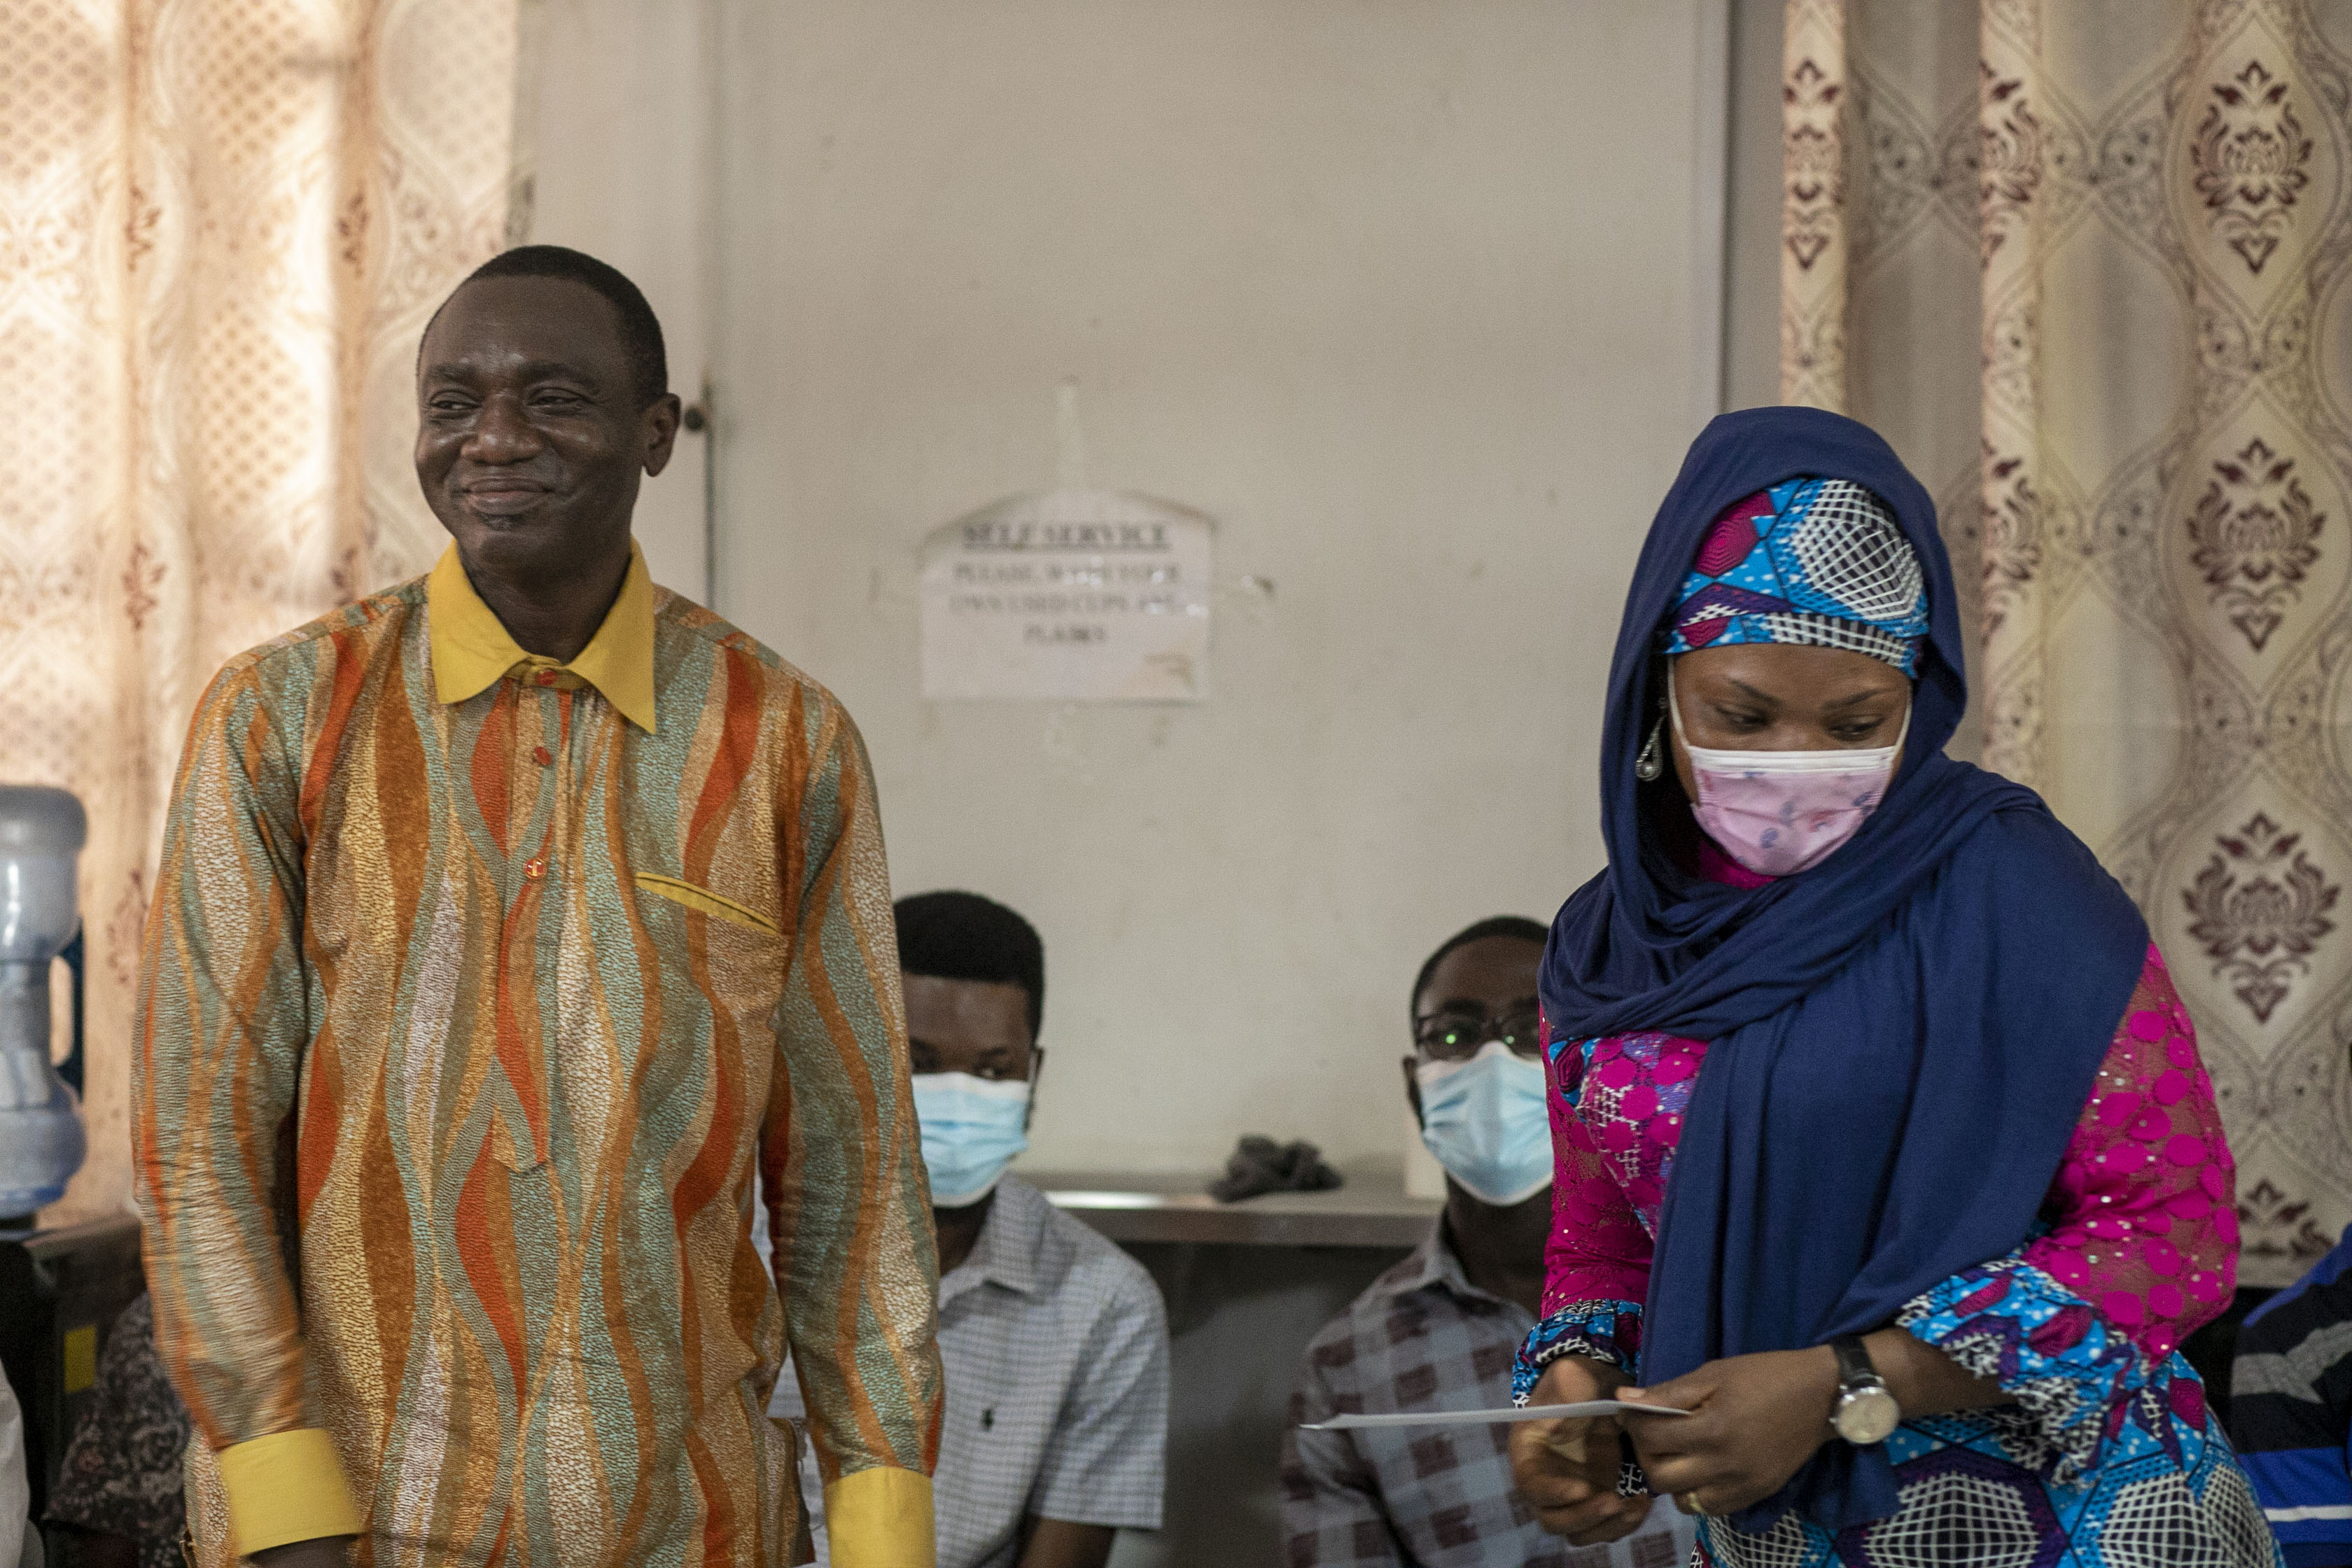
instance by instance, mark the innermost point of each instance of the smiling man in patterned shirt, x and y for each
(508, 921)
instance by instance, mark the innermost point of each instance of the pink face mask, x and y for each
(1780, 812)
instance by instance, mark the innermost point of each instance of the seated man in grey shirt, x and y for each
(1438, 1330)
(1055, 1342)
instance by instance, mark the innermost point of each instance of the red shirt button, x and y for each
(534, 869)
(545, 678)
(541, 756)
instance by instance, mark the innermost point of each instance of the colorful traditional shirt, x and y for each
(2110, 1458)
(2291, 1411)
(476, 986)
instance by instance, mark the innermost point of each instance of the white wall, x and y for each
(1416, 299)
(618, 152)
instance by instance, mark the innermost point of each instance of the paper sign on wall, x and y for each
(1074, 596)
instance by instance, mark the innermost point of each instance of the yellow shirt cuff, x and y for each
(290, 1487)
(881, 1518)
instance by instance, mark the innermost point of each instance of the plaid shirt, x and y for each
(1422, 1337)
(1055, 1346)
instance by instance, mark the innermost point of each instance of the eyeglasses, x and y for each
(1456, 1036)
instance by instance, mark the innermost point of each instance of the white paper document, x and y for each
(1491, 1418)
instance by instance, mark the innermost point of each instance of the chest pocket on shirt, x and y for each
(733, 956)
(689, 896)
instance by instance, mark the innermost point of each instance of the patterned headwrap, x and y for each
(1818, 561)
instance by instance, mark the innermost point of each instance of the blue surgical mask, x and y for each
(1486, 1121)
(972, 1127)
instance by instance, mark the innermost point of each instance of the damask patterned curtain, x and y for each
(222, 225)
(2085, 261)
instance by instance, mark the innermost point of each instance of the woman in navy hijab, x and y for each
(1883, 1145)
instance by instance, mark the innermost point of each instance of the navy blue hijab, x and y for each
(1903, 1036)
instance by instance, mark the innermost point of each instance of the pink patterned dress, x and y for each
(2135, 1248)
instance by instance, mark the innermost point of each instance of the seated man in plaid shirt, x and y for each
(1053, 1341)
(1438, 1330)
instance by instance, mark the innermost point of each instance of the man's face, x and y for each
(530, 440)
(976, 1027)
(1475, 990)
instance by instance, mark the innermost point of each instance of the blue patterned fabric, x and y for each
(2109, 1459)
(1810, 560)
(1605, 1330)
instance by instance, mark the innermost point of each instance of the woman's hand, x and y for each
(1567, 1469)
(1758, 1418)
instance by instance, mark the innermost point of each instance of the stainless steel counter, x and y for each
(1370, 1210)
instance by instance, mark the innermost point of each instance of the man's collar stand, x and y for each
(472, 650)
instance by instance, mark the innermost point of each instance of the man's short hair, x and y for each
(641, 333)
(1493, 925)
(962, 936)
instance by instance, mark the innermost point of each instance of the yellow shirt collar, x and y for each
(471, 650)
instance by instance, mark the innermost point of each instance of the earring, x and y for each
(1652, 762)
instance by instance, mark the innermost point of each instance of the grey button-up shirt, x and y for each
(1056, 1349)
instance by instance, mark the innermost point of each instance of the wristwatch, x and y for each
(1865, 1412)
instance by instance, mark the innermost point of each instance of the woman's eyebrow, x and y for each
(1857, 697)
(1767, 699)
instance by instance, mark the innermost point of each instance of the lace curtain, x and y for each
(2085, 262)
(222, 225)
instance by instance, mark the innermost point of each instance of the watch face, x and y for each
(1867, 1415)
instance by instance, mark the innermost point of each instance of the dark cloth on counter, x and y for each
(1259, 1165)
